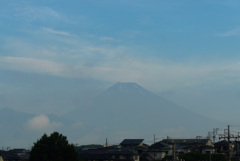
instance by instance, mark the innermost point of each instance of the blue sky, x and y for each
(185, 50)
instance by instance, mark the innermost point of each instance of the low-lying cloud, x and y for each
(42, 122)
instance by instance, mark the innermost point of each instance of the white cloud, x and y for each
(42, 122)
(39, 122)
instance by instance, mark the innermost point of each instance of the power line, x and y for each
(227, 135)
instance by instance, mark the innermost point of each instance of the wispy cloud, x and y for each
(107, 39)
(32, 65)
(234, 32)
(29, 12)
(150, 73)
(52, 31)
(75, 57)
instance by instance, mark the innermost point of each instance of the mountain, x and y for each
(125, 110)
(129, 110)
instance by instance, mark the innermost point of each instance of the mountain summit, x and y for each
(128, 88)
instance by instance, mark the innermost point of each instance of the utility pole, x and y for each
(154, 143)
(228, 137)
(209, 135)
(173, 152)
(106, 142)
(215, 132)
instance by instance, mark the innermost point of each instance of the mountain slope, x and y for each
(128, 107)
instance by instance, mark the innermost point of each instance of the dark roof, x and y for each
(123, 152)
(9, 156)
(186, 141)
(17, 150)
(131, 141)
(223, 142)
(103, 154)
(159, 145)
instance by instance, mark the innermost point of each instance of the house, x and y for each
(128, 155)
(183, 149)
(109, 155)
(207, 149)
(132, 143)
(14, 155)
(129, 150)
(8, 156)
(222, 146)
(159, 150)
(188, 142)
(23, 154)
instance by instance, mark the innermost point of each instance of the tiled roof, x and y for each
(131, 141)
(159, 145)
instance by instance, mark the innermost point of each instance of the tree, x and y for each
(53, 148)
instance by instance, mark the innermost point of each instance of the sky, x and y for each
(54, 53)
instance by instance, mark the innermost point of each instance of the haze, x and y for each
(56, 55)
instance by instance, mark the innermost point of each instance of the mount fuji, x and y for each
(129, 110)
(125, 110)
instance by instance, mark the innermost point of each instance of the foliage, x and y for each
(199, 156)
(53, 148)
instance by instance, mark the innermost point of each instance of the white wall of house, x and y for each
(136, 157)
(157, 155)
(208, 151)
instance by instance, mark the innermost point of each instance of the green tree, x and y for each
(53, 148)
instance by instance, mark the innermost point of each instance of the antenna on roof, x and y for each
(154, 139)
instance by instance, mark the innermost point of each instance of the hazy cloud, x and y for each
(33, 65)
(39, 122)
(77, 125)
(149, 73)
(174, 132)
(42, 122)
